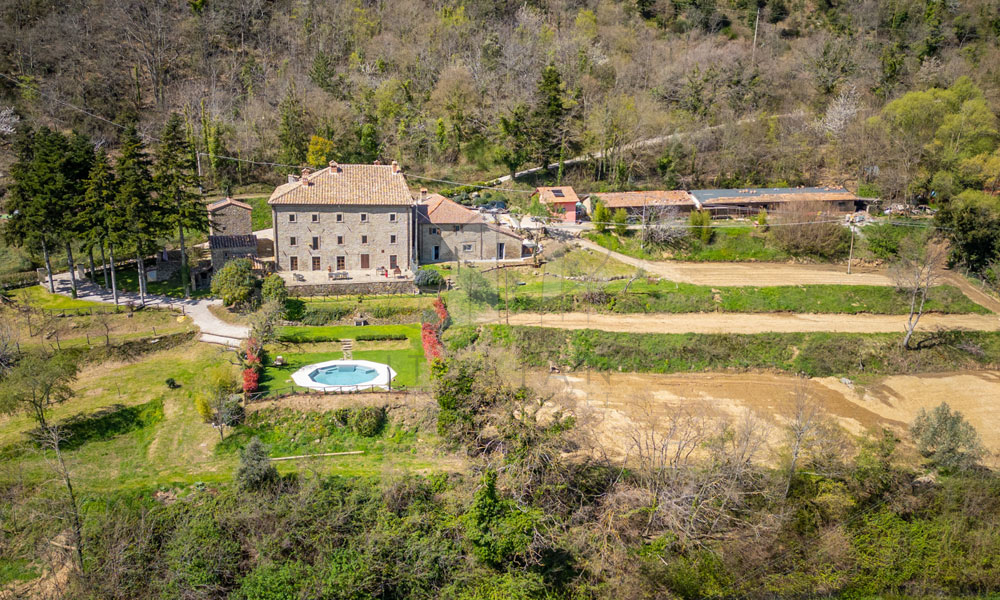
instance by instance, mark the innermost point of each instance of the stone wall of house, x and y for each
(221, 256)
(352, 289)
(340, 231)
(469, 242)
(230, 220)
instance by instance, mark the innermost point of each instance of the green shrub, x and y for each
(946, 439)
(378, 337)
(273, 289)
(428, 278)
(601, 217)
(367, 421)
(255, 470)
(199, 556)
(294, 309)
(172, 383)
(701, 226)
(323, 315)
(477, 287)
(620, 221)
(499, 530)
(883, 240)
(273, 582)
(235, 282)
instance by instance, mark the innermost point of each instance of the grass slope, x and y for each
(812, 354)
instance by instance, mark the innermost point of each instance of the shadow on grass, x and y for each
(106, 423)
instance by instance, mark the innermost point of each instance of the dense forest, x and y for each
(470, 90)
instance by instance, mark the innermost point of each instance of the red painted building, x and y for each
(561, 201)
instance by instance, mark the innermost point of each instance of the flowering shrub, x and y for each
(251, 380)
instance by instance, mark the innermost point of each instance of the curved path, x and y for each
(743, 323)
(213, 329)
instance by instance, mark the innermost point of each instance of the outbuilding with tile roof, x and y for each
(448, 231)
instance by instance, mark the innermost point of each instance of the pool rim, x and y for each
(385, 374)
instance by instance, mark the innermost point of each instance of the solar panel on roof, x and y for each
(557, 193)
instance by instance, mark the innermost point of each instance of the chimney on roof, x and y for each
(395, 167)
(305, 176)
(423, 195)
(334, 167)
(377, 162)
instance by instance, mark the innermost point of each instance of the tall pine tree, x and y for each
(175, 180)
(138, 214)
(100, 201)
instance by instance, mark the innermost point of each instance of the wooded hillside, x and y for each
(468, 90)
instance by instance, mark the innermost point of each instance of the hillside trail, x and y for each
(742, 322)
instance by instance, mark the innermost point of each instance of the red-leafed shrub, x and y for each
(430, 333)
(432, 345)
(251, 380)
(441, 311)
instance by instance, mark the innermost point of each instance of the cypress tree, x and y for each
(175, 180)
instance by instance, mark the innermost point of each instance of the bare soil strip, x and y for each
(750, 273)
(742, 323)
(620, 406)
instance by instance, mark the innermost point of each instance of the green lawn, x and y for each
(128, 280)
(670, 297)
(301, 346)
(730, 243)
(260, 216)
(39, 297)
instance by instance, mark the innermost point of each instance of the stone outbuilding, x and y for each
(229, 217)
(449, 231)
(224, 248)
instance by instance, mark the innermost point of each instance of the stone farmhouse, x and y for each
(342, 219)
(230, 232)
(448, 231)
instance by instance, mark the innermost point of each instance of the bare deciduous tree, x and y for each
(915, 272)
(801, 428)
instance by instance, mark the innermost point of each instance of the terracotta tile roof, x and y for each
(216, 242)
(552, 195)
(773, 195)
(347, 184)
(638, 199)
(227, 202)
(441, 211)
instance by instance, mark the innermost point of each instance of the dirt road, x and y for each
(742, 323)
(618, 405)
(755, 274)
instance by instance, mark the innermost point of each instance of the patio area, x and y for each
(294, 278)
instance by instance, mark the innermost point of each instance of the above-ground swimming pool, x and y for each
(344, 375)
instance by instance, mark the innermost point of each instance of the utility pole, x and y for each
(850, 256)
(753, 51)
